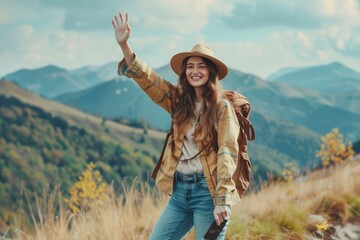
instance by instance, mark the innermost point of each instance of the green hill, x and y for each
(43, 144)
(38, 149)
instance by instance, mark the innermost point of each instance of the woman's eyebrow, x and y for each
(200, 63)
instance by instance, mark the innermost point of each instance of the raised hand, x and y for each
(121, 28)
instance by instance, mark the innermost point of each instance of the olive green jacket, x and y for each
(218, 166)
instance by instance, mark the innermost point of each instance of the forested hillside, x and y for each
(37, 149)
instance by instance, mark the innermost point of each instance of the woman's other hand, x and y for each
(121, 28)
(221, 213)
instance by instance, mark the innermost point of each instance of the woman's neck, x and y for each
(198, 95)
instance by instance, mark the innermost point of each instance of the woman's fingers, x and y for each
(217, 220)
(220, 214)
(224, 215)
(117, 21)
(121, 18)
(121, 27)
(127, 19)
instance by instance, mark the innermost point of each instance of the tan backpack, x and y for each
(242, 108)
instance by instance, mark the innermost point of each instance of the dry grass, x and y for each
(282, 210)
(129, 216)
(279, 211)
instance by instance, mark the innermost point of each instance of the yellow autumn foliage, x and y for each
(333, 150)
(89, 191)
(322, 226)
(290, 171)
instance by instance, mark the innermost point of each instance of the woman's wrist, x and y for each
(127, 52)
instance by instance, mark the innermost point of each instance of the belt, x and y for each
(189, 178)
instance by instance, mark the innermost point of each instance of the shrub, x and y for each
(88, 191)
(333, 150)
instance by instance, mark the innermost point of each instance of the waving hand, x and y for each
(122, 34)
(121, 28)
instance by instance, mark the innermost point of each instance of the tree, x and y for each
(89, 191)
(333, 150)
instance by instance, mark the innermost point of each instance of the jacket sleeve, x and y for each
(228, 131)
(149, 81)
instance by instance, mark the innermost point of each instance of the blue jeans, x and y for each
(190, 205)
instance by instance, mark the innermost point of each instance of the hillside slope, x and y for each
(38, 148)
(73, 116)
(277, 212)
(44, 142)
(273, 147)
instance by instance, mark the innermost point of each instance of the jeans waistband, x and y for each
(190, 178)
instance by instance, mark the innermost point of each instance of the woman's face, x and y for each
(197, 73)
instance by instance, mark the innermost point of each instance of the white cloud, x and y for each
(10, 12)
(298, 14)
(224, 7)
(345, 40)
(285, 49)
(70, 49)
(347, 10)
(184, 16)
(72, 34)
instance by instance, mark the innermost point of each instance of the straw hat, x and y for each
(199, 50)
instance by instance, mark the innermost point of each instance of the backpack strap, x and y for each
(196, 154)
(158, 164)
(246, 125)
(242, 109)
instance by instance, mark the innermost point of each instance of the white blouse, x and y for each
(190, 149)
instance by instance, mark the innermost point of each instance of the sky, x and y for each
(253, 36)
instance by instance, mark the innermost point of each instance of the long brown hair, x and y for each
(185, 105)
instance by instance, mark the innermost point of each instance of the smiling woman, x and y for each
(195, 172)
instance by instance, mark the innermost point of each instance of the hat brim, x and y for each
(177, 60)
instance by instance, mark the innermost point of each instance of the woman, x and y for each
(199, 160)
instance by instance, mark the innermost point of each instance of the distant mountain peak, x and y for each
(339, 66)
(281, 72)
(333, 77)
(51, 68)
(44, 70)
(336, 64)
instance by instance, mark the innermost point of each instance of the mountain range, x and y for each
(289, 119)
(317, 111)
(336, 82)
(278, 142)
(51, 81)
(332, 78)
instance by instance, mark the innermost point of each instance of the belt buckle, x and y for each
(187, 178)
